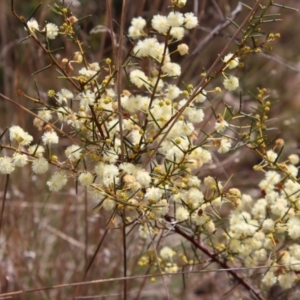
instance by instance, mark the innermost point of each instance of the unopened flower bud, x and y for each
(72, 19)
(210, 226)
(183, 49)
(279, 142)
(51, 93)
(77, 57)
(294, 159)
(129, 179)
(66, 64)
(54, 158)
(47, 128)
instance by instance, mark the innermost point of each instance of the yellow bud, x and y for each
(51, 93)
(155, 73)
(258, 50)
(174, 191)
(177, 141)
(257, 168)
(54, 158)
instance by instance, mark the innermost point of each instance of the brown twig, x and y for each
(63, 133)
(4, 200)
(215, 258)
(90, 263)
(215, 31)
(204, 82)
(109, 280)
(54, 62)
(124, 246)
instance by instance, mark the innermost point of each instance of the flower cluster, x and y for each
(256, 227)
(51, 30)
(164, 263)
(230, 82)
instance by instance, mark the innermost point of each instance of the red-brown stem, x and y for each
(215, 258)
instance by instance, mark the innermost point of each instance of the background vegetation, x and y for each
(50, 239)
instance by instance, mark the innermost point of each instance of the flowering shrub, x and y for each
(137, 144)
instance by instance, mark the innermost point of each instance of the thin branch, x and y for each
(118, 62)
(108, 280)
(200, 86)
(63, 133)
(90, 263)
(215, 31)
(280, 61)
(4, 200)
(41, 45)
(67, 238)
(124, 257)
(215, 258)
